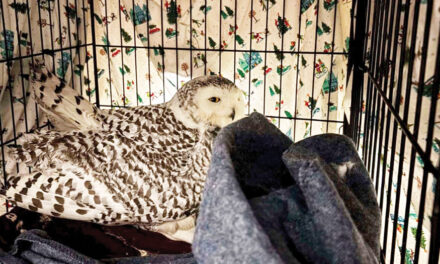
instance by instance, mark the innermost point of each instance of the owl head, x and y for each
(208, 101)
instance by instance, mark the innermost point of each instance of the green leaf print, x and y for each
(98, 19)
(70, 11)
(224, 15)
(205, 9)
(89, 91)
(20, 7)
(319, 31)
(305, 4)
(140, 15)
(436, 145)
(282, 25)
(278, 53)
(212, 43)
(326, 87)
(284, 70)
(170, 33)
(106, 42)
(329, 4)
(79, 69)
(125, 35)
(347, 44)
(100, 72)
(239, 40)
(422, 239)
(303, 61)
(172, 12)
(121, 70)
(288, 114)
(229, 10)
(158, 50)
(326, 28)
(241, 73)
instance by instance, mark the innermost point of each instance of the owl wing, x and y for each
(84, 175)
(64, 193)
(64, 106)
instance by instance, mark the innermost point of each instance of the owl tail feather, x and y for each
(64, 106)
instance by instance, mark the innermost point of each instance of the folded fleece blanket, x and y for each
(267, 200)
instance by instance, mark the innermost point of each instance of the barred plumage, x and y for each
(143, 165)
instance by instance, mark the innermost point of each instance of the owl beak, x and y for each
(232, 116)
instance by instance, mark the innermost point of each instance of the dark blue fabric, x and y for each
(34, 247)
(265, 200)
(159, 259)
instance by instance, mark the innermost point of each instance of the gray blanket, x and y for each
(267, 200)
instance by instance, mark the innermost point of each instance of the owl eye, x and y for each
(214, 99)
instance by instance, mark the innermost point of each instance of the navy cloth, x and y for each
(267, 200)
(34, 246)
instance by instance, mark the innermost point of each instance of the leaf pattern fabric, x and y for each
(277, 68)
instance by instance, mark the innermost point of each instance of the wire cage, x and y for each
(367, 69)
(395, 120)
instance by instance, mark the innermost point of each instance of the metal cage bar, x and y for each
(390, 32)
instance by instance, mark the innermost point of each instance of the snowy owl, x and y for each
(144, 165)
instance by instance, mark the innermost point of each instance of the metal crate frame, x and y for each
(370, 71)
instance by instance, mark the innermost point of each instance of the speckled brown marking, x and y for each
(14, 181)
(58, 208)
(59, 199)
(60, 87)
(81, 211)
(40, 195)
(96, 199)
(59, 191)
(37, 203)
(55, 214)
(79, 196)
(78, 100)
(24, 191)
(69, 183)
(32, 208)
(17, 198)
(88, 185)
